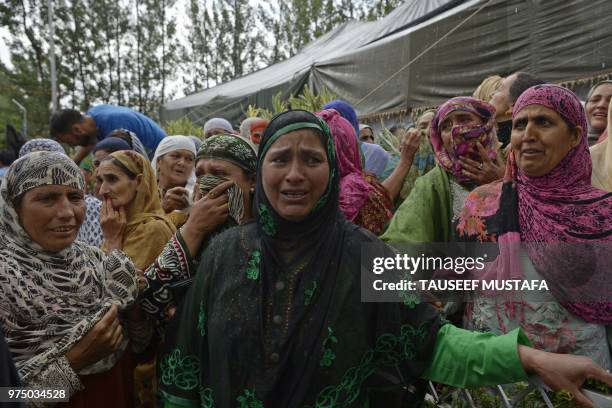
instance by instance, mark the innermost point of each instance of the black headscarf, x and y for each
(318, 240)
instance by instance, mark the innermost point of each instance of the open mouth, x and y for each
(294, 195)
(63, 229)
(531, 152)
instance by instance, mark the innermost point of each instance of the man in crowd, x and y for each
(6, 159)
(366, 134)
(503, 100)
(85, 130)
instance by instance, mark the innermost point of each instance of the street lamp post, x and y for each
(52, 56)
(25, 117)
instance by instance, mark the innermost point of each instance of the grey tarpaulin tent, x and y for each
(425, 52)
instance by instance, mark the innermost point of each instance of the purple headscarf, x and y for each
(464, 138)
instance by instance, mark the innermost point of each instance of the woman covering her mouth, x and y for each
(463, 137)
(275, 319)
(131, 203)
(225, 167)
(129, 189)
(173, 165)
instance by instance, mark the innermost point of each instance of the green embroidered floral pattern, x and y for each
(328, 355)
(410, 299)
(389, 350)
(249, 400)
(266, 220)
(202, 320)
(206, 398)
(252, 271)
(309, 293)
(183, 372)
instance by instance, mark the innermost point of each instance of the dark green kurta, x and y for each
(225, 348)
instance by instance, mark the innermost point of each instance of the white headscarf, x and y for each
(218, 123)
(170, 144)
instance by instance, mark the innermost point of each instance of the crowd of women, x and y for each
(227, 271)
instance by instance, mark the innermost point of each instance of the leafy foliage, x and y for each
(485, 398)
(184, 127)
(129, 52)
(308, 100)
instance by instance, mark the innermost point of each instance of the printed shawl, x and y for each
(50, 300)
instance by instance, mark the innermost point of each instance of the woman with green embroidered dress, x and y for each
(274, 317)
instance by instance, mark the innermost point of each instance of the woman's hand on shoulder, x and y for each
(113, 222)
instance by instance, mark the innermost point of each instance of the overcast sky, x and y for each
(180, 12)
(4, 52)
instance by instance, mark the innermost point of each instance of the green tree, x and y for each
(155, 47)
(27, 80)
(197, 51)
(377, 9)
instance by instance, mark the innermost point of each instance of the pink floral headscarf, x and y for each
(354, 189)
(565, 222)
(464, 138)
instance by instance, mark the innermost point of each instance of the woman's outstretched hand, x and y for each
(563, 371)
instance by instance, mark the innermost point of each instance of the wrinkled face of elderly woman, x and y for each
(52, 215)
(295, 173)
(174, 168)
(425, 120)
(541, 138)
(116, 184)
